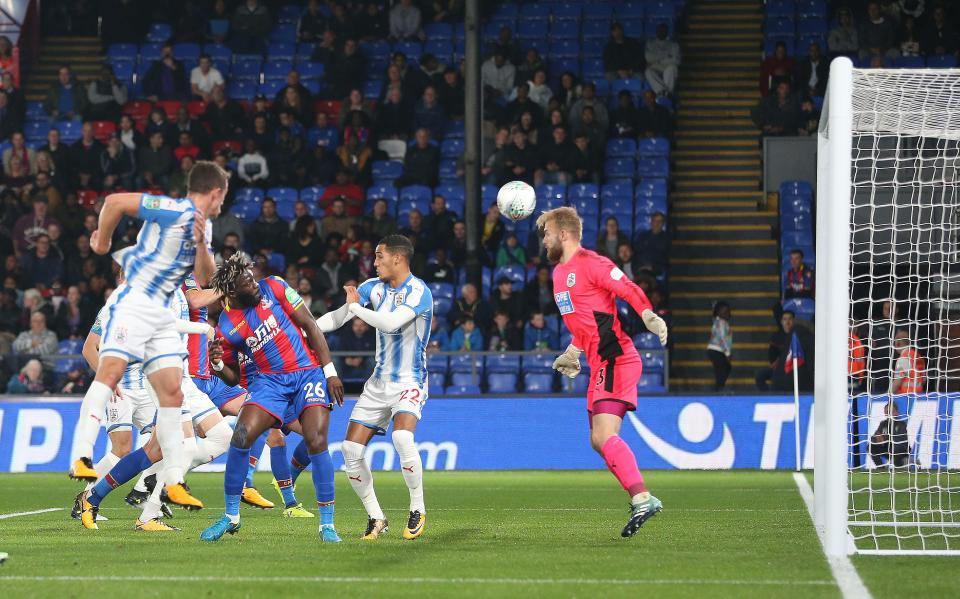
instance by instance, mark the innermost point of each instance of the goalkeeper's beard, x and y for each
(554, 254)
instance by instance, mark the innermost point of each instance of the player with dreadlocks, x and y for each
(269, 324)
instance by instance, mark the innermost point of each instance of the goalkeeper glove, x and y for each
(655, 325)
(568, 363)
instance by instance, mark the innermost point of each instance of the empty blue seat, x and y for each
(621, 148)
(651, 383)
(311, 70)
(284, 32)
(385, 192)
(466, 362)
(455, 128)
(159, 32)
(123, 70)
(245, 70)
(539, 362)
(516, 274)
(488, 195)
(653, 361)
(411, 49)
(811, 8)
(442, 49)
(271, 88)
(780, 8)
(653, 168)
(451, 148)
(646, 341)
(630, 10)
(438, 31)
(387, 169)
(35, 111)
(564, 48)
(796, 188)
(453, 194)
(150, 52)
(794, 204)
(779, 25)
(311, 194)
(592, 69)
(372, 89)
(277, 69)
(122, 52)
(502, 382)
(597, 10)
(803, 307)
(567, 29)
(551, 196)
(583, 190)
(281, 51)
(186, 51)
(586, 208)
(462, 390)
(442, 306)
(595, 29)
(947, 61)
(617, 192)
(592, 48)
(283, 194)
(795, 239)
(70, 131)
(653, 147)
(796, 222)
(447, 170)
(441, 290)
(619, 168)
(538, 383)
(634, 86)
(70, 347)
(249, 195)
(811, 26)
(375, 49)
(248, 213)
(437, 381)
(36, 130)
(503, 363)
(437, 363)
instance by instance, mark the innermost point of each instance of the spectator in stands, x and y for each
(155, 162)
(18, 148)
(451, 91)
(292, 102)
(249, 27)
(568, 92)
(405, 21)
(622, 56)
(393, 116)
(429, 72)
(337, 220)
(440, 269)
(225, 116)
(909, 373)
(85, 158)
(519, 160)
(417, 234)
(333, 273)
(653, 120)
(720, 345)
(118, 165)
(530, 65)
(505, 335)
(9, 121)
(439, 336)
(347, 69)
(778, 114)
(939, 37)
(232, 244)
(128, 133)
(588, 126)
(15, 99)
(178, 179)
(587, 160)
(204, 78)
(269, 232)
(910, 37)
(305, 247)
(186, 147)
(843, 39)
(813, 72)
(38, 340)
(470, 304)
(589, 98)
(506, 44)
(378, 222)
(43, 185)
(439, 223)
(538, 292)
(41, 266)
(466, 337)
(458, 249)
(881, 341)
(889, 443)
(557, 159)
(798, 279)
(166, 78)
(10, 319)
(877, 35)
(503, 299)
(312, 23)
(537, 336)
(326, 48)
(511, 253)
(355, 158)
(663, 59)
(74, 315)
(777, 355)
(158, 122)
(540, 92)
(345, 190)
(105, 95)
(30, 226)
(624, 120)
(29, 381)
(65, 99)
(497, 75)
(428, 114)
(652, 247)
(776, 69)
(857, 362)
(185, 123)
(252, 167)
(626, 261)
(610, 239)
(6, 54)
(493, 230)
(361, 339)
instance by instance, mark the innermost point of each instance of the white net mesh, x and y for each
(905, 311)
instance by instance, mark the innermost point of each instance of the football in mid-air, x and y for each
(516, 200)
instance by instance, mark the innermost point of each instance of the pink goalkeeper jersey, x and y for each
(586, 289)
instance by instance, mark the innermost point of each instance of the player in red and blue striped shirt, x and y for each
(269, 323)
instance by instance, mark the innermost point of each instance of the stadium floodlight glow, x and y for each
(888, 223)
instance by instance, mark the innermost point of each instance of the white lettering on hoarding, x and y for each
(24, 454)
(774, 416)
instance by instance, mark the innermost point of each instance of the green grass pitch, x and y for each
(489, 534)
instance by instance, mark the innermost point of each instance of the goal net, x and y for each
(901, 286)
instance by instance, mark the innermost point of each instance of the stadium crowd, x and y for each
(352, 129)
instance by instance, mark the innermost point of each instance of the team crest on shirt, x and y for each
(250, 341)
(571, 279)
(265, 303)
(398, 298)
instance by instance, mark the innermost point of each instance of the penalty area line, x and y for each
(421, 580)
(848, 580)
(43, 511)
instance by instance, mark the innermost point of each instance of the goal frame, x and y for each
(831, 391)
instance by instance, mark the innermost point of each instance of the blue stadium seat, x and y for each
(796, 222)
(311, 70)
(485, 277)
(372, 89)
(551, 196)
(150, 52)
(634, 86)
(441, 290)
(271, 87)
(283, 194)
(568, 11)
(794, 204)
(617, 192)
(159, 32)
(811, 8)
(70, 131)
(781, 25)
(387, 169)
(447, 170)
(462, 390)
(795, 239)
(634, 29)
(488, 195)
(375, 49)
(69, 347)
(651, 188)
(438, 31)
(619, 168)
(289, 13)
(281, 51)
(311, 195)
(622, 148)
(36, 130)
(277, 69)
(467, 363)
(630, 11)
(186, 51)
(651, 383)
(801, 188)
(567, 29)
(592, 69)
(592, 48)
(803, 307)
(597, 10)
(910, 62)
(535, 11)
(516, 274)
(503, 363)
(583, 190)
(653, 168)
(653, 361)
(219, 28)
(506, 11)
(437, 381)
(249, 195)
(647, 341)
(437, 363)
(451, 148)
(246, 70)
(248, 213)
(276, 260)
(284, 32)
(123, 70)
(947, 61)
(539, 363)
(455, 128)
(442, 49)
(653, 147)
(412, 50)
(595, 30)
(386, 192)
(502, 382)
(538, 383)
(122, 52)
(35, 111)
(453, 194)
(780, 8)
(811, 26)
(577, 386)
(442, 306)
(564, 48)
(218, 52)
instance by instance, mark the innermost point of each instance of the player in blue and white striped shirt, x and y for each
(139, 326)
(402, 308)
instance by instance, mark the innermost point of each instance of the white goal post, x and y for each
(888, 237)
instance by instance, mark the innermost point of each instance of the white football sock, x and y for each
(170, 435)
(104, 466)
(411, 467)
(151, 507)
(213, 445)
(189, 452)
(361, 479)
(91, 417)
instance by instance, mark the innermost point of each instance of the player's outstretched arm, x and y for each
(333, 320)
(201, 298)
(318, 343)
(115, 207)
(203, 263)
(614, 280)
(386, 322)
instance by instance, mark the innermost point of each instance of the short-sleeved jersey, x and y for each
(266, 333)
(199, 357)
(133, 374)
(401, 354)
(165, 249)
(181, 311)
(586, 289)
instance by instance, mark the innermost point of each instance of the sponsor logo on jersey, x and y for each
(571, 279)
(152, 203)
(263, 334)
(616, 274)
(563, 302)
(292, 296)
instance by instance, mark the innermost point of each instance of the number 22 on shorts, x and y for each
(411, 395)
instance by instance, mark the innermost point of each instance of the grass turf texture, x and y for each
(490, 534)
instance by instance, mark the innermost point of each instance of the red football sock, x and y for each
(623, 464)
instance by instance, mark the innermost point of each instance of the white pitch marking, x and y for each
(43, 511)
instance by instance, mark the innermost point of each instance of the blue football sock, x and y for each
(300, 461)
(323, 483)
(128, 467)
(233, 476)
(256, 450)
(281, 472)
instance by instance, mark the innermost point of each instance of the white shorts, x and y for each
(131, 408)
(196, 404)
(138, 329)
(380, 401)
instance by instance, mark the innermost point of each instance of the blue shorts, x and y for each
(286, 396)
(219, 392)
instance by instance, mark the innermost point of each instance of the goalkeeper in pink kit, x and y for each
(586, 287)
